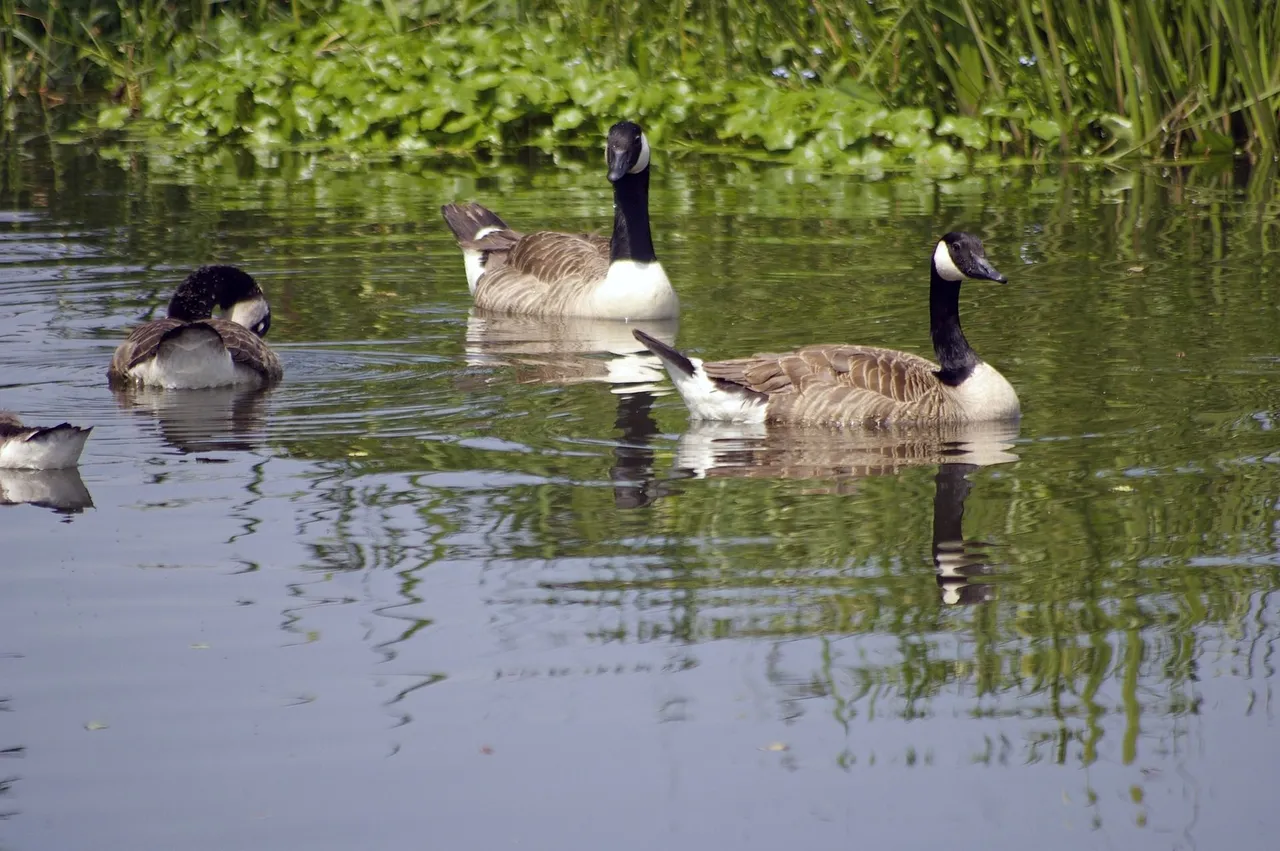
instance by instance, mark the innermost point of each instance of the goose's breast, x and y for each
(634, 290)
(986, 395)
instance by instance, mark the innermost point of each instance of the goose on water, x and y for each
(853, 385)
(548, 273)
(192, 348)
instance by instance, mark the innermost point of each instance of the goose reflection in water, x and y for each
(61, 490)
(842, 458)
(570, 350)
(218, 418)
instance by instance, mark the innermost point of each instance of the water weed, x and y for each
(838, 82)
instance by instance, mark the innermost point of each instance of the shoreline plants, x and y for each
(822, 82)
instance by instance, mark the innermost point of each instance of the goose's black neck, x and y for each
(631, 239)
(192, 303)
(954, 353)
(209, 287)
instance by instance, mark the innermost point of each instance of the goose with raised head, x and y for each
(860, 385)
(548, 273)
(36, 448)
(192, 348)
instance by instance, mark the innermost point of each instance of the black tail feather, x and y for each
(665, 353)
(52, 431)
(467, 220)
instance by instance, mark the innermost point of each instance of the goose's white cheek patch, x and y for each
(947, 268)
(642, 162)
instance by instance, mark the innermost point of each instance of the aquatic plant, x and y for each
(834, 82)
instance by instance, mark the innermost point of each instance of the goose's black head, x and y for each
(626, 150)
(960, 256)
(230, 290)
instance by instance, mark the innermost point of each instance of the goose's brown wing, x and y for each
(247, 348)
(543, 273)
(835, 383)
(142, 343)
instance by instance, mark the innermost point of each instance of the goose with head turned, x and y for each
(846, 385)
(548, 273)
(192, 348)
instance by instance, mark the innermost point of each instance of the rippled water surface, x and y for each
(471, 582)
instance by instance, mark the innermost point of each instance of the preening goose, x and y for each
(33, 448)
(562, 274)
(853, 385)
(193, 349)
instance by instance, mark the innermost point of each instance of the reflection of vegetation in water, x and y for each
(1131, 542)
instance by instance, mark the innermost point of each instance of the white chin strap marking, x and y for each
(946, 267)
(247, 313)
(642, 162)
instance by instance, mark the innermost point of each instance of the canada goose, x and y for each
(561, 274)
(850, 385)
(34, 448)
(193, 349)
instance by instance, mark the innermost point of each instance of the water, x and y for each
(453, 583)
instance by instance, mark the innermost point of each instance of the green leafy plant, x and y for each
(830, 82)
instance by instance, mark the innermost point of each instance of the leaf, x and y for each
(1045, 129)
(970, 131)
(1118, 126)
(1213, 142)
(113, 117)
(462, 122)
(568, 119)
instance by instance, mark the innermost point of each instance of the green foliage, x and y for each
(852, 82)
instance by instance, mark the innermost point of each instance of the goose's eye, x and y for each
(261, 328)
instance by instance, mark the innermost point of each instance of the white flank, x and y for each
(54, 450)
(707, 401)
(947, 268)
(193, 360)
(474, 260)
(248, 313)
(633, 291)
(985, 395)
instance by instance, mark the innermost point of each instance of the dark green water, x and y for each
(448, 586)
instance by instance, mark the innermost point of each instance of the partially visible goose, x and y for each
(562, 274)
(853, 385)
(192, 348)
(34, 448)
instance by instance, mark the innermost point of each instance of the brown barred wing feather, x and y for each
(837, 384)
(142, 343)
(247, 348)
(545, 273)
